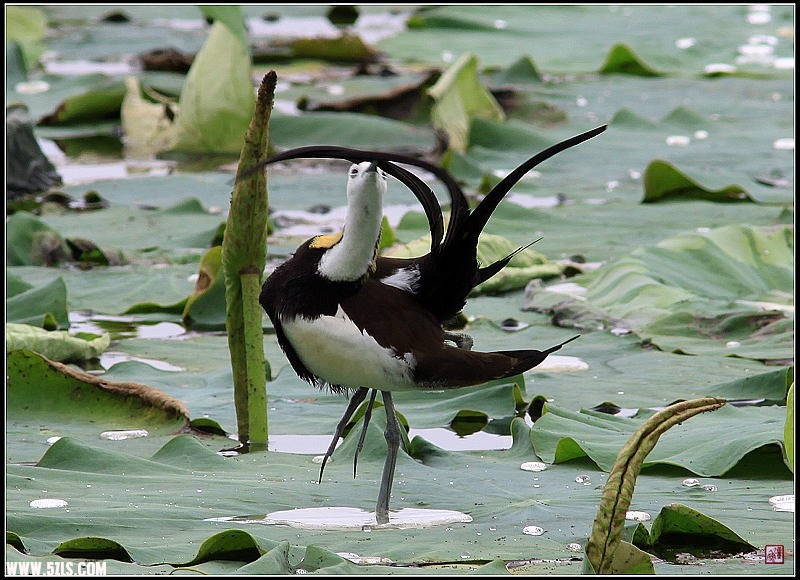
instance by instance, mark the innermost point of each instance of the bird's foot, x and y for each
(393, 435)
(355, 401)
(367, 416)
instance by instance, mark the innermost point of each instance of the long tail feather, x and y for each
(487, 272)
(480, 215)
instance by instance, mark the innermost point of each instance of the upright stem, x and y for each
(244, 255)
(254, 361)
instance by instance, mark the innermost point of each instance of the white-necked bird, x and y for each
(348, 318)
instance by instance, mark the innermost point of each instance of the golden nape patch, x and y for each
(327, 241)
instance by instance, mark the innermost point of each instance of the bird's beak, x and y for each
(373, 167)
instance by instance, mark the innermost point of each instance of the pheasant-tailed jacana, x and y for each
(348, 318)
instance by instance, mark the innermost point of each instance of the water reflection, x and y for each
(349, 519)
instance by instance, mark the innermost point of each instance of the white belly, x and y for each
(335, 350)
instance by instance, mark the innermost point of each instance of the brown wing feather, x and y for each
(396, 320)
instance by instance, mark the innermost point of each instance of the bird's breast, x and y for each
(338, 352)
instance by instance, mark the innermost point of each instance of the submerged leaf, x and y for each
(466, 422)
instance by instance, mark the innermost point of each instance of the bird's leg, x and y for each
(355, 401)
(367, 417)
(393, 436)
(461, 339)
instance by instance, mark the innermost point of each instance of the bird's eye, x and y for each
(353, 171)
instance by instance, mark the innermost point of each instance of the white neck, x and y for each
(354, 255)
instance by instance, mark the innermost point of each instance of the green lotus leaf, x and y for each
(274, 561)
(458, 98)
(627, 559)
(100, 103)
(205, 307)
(680, 520)
(345, 48)
(348, 129)
(664, 181)
(728, 289)
(710, 446)
(91, 548)
(217, 100)
(622, 60)
(44, 306)
(31, 241)
(522, 71)
(235, 545)
(148, 126)
(230, 16)
(38, 386)
(56, 345)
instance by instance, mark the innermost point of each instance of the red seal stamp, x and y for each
(773, 554)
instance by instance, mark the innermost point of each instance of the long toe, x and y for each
(367, 417)
(355, 401)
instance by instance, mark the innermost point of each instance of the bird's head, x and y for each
(365, 179)
(351, 255)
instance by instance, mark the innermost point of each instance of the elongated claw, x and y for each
(367, 417)
(355, 401)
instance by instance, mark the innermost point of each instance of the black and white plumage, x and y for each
(348, 318)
